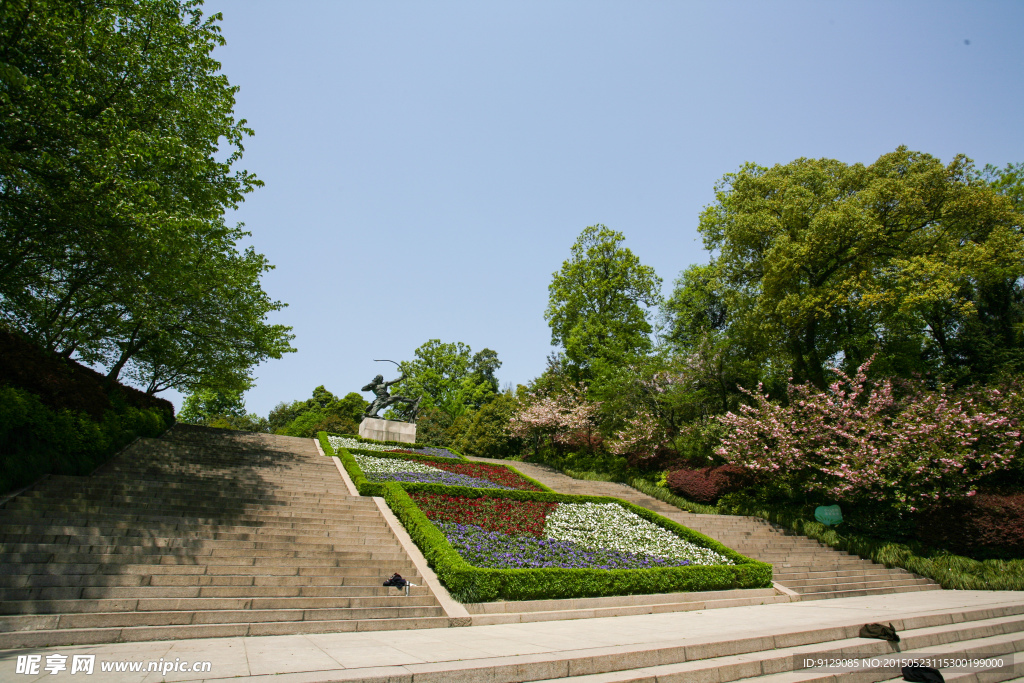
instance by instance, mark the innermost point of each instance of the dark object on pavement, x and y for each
(880, 631)
(397, 581)
(922, 674)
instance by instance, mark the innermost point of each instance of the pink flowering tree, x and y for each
(567, 418)
(853, 443)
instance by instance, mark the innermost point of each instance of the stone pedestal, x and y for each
(387, 430)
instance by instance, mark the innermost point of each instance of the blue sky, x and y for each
(429, 165)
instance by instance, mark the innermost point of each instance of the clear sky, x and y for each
(428, 165)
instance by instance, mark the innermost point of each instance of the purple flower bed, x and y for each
(430, 450)
(494, 549)
(436, 477)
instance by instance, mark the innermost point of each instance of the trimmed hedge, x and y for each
(475, 584)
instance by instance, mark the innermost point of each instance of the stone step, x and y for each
(138, 592)
(772, 658)
(136, 604)
(65, 637)
(31, 581)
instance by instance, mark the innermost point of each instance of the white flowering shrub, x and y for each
(607, 525)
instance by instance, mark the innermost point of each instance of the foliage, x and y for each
(987, 525)
(595, 306)
(322, 412)
(820, 263)
(204, 404)
(567, 419)
(62, 384)
(116, 160)
(221, 409)
(854, 444)
(450, 378)
(487, 436)
(706, 485)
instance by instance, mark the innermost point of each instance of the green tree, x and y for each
(116, 159)
(819, 262)
(322, 412)
(487, 436)
(596, 301)
(221, 409)
(448, 377)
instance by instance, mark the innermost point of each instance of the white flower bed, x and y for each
(343, 442)
(607, 525)
(371, 465)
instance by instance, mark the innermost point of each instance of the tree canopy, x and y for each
(819, 263)
(596, 301)
(116, 169)
(449, 377)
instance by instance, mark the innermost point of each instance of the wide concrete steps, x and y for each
(802, 565)
(202, 533)
(778, 658)
(522, 611)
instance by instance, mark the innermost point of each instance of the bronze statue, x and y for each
(380, 389)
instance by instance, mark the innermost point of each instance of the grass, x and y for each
(950, 571)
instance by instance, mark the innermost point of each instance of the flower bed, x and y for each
(338, 442)
(489, 532)
(504, 544)
(394, 469)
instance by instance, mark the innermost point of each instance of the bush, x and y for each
(486, 436)
(989, 525)
(36, 439)
(707, 485)
(59, 417)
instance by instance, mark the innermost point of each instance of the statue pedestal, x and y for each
(387, 430)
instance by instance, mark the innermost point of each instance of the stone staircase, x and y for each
(802, 565)
(776, 656)
(201, 533)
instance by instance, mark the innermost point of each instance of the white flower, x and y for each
(344, 442)
(608, 525)
(369, 464)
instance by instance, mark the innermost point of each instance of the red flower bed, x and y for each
(496, 473)
(512, 517)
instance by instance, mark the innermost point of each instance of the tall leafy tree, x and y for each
(820, 262)
(596, 305)
(449, 378)
(116, 169)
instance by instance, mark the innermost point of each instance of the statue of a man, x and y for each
(383, 399)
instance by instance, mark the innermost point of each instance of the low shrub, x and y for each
(60, 417)
(35, 439)
(989, 525)
(706, 485)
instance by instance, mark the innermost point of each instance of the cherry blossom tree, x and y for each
(855, 443)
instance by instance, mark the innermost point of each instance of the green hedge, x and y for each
(474, 584)
(36, 439)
